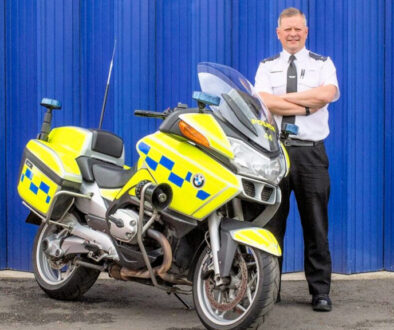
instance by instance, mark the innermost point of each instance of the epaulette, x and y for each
(317, 57)
(268, 59)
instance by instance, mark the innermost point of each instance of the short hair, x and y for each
(290, 12)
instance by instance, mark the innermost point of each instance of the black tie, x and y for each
(291, 86)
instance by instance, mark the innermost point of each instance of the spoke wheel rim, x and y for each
(49, 271)
(234, 315)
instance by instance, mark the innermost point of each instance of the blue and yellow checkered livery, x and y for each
(48, 167)
(169, 164)
(36, 188)
(199, 183)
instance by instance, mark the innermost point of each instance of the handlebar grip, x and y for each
(150, 114)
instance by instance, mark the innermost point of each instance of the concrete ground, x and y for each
(361, 302)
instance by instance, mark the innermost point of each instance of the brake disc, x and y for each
(240, 291)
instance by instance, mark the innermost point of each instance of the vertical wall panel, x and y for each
(58, 59)
(3, 169)
(365, 136)
(210, 34)
(188, 32)
(21, 119)
(355, 146)
(389, 140)
(97, 41)
(43, 52)
(174, 45)
(331, 40)
(135, 74)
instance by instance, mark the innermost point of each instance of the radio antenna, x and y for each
(107, 87)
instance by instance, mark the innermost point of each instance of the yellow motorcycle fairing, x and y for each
(142, 174)
(287, 159)
(69, 139)
(36, 188)
(46, 168)
(199, 183)
(59, 160)
(206, 124)
(259, 238)
(109, 194)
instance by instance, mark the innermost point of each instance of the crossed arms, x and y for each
(294, 103)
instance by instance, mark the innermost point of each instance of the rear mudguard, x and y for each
(233, 232)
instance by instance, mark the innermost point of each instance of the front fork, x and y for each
(213, 226)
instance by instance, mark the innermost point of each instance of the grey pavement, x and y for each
(364, 301)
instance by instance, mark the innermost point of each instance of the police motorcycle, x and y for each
(187, 218)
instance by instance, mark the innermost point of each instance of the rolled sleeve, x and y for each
(329, 76)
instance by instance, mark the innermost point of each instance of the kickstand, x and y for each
(182, 301)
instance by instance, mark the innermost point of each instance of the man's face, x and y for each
(292, 33)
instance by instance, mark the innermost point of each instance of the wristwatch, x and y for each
(307, 111)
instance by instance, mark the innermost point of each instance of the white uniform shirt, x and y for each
(312, 71)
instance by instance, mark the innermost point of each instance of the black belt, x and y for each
(300, 143)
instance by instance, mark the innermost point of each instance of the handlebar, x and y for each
(151, 114)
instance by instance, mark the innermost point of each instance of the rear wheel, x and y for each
(60, 278)
(245, 298)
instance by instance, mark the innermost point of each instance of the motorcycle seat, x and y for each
(106, 175)
(107, 143)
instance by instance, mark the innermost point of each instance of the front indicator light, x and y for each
(192, 134)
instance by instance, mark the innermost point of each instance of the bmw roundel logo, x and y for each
(198, 180)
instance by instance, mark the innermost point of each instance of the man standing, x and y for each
(297, 86)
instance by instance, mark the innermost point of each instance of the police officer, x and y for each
(297, 86)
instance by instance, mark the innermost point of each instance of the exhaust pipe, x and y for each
(126, 274)
(159, 196)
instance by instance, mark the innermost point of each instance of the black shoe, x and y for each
(321, 303)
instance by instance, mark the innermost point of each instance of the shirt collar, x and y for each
(301, 55)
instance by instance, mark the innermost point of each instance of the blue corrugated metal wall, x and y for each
(135, 70)
(3, 174)
(389, 141)
(96, 38)
(62, 49)
(21, 118)
(365, 129)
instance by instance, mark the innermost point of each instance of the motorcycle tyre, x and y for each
(263, 302)
(73, 288)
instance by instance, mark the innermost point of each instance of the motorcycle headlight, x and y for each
(253, 163)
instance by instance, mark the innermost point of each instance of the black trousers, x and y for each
(309, 179)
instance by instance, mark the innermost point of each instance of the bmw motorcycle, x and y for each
(187, 218)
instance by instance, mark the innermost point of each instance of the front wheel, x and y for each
(242, 300)
(59, 278)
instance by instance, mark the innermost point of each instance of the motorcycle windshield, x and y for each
(239, 105)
